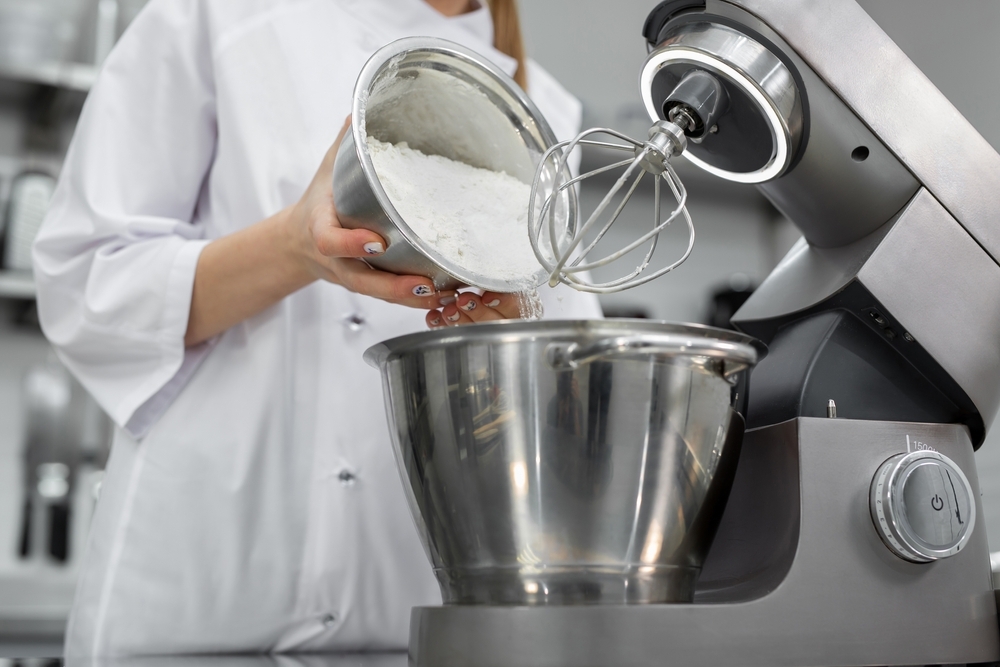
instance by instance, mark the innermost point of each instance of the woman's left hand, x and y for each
(470, 307)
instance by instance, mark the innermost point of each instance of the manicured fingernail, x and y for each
(469, 306)
(454, 318)
(448, 300)
(494, 303)
(374, 248)
(422, 290)
(436, 322)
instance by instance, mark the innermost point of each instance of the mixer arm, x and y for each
(894, 191)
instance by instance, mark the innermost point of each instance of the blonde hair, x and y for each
(507, 36)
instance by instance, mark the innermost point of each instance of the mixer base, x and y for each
(570, 587)
(797, 576)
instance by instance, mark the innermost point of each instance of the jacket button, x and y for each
(347, 477)
(354, 322)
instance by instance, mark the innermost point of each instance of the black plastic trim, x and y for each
(663, 13)
(887, 338)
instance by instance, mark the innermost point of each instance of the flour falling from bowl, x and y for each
(475, 219)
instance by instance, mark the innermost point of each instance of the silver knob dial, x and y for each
(922, 506)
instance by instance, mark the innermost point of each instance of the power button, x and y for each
(922, 506)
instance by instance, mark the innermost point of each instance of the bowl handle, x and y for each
(570, 356)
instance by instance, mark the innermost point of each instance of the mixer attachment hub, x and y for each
(666, 139)
(696, 103)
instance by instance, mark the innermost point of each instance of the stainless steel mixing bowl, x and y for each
(442, 99)
(566, 462)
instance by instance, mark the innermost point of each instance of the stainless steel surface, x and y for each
(65, 436)
(807, 276)
(57, 439)
(927, 273)
(17, 285)
(563, 249)
(26, 647)
(832, 198)
(23, 649)
(29, 202)
(897, 102)
(798, 577)
(733, 355)
(442, 99)
(745, 63)
(541, 474)
(921, 504)
(945, 291)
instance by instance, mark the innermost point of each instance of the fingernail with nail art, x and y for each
(448, 300)
(436, 322)
(374, 248)
(471, 305)
(422, 290)
(454, 318)
(494, 303)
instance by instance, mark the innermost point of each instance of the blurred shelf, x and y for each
(66, 75)
(35, 601)
(17, 285)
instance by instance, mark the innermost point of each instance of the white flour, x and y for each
(476, 218)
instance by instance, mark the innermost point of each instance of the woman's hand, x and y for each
(470, 307)
(330, 252)
(243, 273)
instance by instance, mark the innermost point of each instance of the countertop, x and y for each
(46, 655)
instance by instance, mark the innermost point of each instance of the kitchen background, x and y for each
(53, 439)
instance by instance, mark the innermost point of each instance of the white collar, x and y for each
(406, 18)
(478, 22)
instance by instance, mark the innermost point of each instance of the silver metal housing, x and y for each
(871, 75)
(913, 223)
(797, 576)
(749, 66)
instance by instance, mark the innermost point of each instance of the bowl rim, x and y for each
(701, 338)
(381, 59)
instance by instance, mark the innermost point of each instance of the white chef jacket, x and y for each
(251, 501)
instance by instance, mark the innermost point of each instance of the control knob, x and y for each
(922, 506)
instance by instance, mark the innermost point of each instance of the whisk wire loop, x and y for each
(594, 217)
(563, 251)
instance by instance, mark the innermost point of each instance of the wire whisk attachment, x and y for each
(563, 248)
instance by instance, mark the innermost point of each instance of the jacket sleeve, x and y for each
(115, 258)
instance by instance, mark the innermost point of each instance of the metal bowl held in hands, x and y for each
(566, 462)
(441, 99)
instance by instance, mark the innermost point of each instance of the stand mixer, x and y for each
(852, 534)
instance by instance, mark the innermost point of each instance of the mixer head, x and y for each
(718, 97)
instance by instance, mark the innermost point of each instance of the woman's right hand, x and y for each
(329, 251)
(470, 308)
(241, 274)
